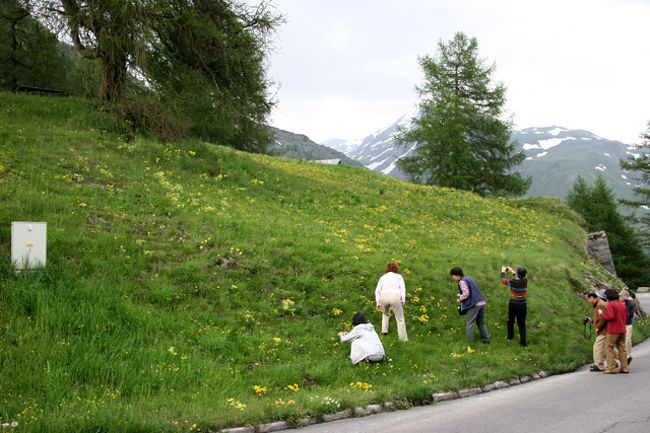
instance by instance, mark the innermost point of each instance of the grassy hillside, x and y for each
(190, 287)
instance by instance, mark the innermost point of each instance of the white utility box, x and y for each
(28, 244)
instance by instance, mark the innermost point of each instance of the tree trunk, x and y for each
(113, 78)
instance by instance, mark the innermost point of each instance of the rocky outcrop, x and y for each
(598, 248)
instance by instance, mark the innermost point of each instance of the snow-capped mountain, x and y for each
(555, 157)
(379, 151)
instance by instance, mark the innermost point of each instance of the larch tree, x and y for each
(113, 32)
(462, 139)
(207, 59)
(192, 67)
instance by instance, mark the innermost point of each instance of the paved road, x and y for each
(577, 402)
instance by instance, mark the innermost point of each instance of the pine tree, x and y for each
(597, 205)
(462, 141)
(639, 163)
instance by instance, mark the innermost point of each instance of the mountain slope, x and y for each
(297, 146)
(192, 287)
(555, 157)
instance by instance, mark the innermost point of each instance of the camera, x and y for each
(585, 320)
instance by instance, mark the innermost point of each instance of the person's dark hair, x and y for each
(457, 271)
(592, 294)
(359, 318)
(521, 272)
(392, 267)
(611, 294)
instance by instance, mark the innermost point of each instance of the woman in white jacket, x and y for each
(366, 345)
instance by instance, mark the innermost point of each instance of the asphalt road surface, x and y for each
(577, 402)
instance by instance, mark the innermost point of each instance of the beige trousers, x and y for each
(600, 351)
(628, 339)
(616, 340)
(388, 301)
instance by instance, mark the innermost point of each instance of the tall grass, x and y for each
(191, 287)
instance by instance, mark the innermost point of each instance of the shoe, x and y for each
(595, 369)
(624, 371)
(486, 341)
(384, 333)
(609, 371)
(629, 360)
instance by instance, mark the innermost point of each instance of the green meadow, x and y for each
(191, 287)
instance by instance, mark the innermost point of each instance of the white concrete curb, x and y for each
(386, 407)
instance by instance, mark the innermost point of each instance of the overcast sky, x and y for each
(346, 68)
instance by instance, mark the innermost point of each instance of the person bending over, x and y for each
(473, 302)
(366, 345)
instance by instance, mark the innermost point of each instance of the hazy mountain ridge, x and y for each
(298, 146)
(555, 157)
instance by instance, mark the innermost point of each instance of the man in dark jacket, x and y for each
(472, 301)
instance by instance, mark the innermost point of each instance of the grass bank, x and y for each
(191, 287)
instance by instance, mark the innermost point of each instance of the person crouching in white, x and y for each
(366, 345)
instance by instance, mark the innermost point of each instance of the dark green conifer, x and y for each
(463, 142)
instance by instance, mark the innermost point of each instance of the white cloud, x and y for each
(346, 68)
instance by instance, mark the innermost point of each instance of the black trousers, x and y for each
(517, 310)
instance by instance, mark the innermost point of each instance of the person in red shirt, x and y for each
(616, 316)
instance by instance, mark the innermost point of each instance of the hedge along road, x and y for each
(576, 402)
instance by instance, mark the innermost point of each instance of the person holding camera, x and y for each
(600, 324)
(517, 308)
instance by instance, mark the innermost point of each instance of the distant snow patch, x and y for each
(543, 144)
(601, 167)
(607, 154)
(388, 169)
(541, 154)
(634, 155)
(409, 151)
(624, 176)
(556, 131)
(382, 153)
(376, 164)
(380, 143)
(529, 158)
(551, 142)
